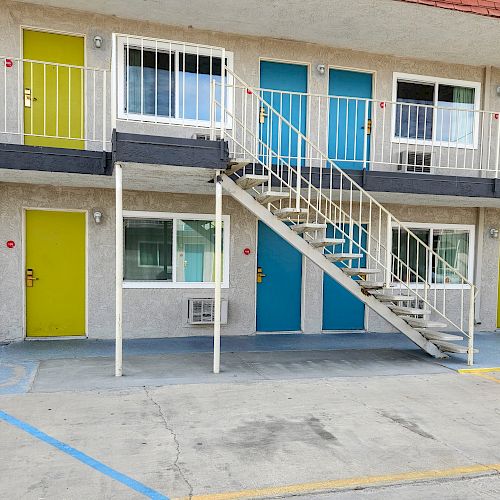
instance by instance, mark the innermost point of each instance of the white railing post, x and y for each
(497, 159)
(213, 110)
(114, 81)
(218, 268)
(388, 257)
(118, 270)
(299, 171)
(104, 108)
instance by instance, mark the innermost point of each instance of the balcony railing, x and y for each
(156, 85)
(55, 105)
(368, 133)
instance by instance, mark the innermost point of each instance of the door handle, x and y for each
(262, 114)
(27, 98)
(30, 278)
(260, 275)
(369, 127)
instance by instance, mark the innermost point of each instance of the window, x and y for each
(164, 81)
(412, 262)
(437, 110)
(172, 250)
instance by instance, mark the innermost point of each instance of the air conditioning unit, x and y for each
(415, 162)
(202, 311)
(205, 137)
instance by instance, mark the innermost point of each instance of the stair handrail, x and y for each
(330, 166)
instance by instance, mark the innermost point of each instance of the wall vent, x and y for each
(201, 311)
(415, 161)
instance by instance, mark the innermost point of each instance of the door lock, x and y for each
(260, 275)
(369, 127)
(30, 278)
(262, 114)
(27, 98)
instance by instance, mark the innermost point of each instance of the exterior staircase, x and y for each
(302, 196)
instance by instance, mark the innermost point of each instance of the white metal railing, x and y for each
(166, 81)
(309, 179)
(58, 105)
(360, 133)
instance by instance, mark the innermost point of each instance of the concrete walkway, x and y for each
(51, 366)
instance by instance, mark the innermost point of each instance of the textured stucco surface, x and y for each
(247, 54)
(161, 312)
(147, 312)
(153, 312)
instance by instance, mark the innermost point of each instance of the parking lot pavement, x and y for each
(207, 439)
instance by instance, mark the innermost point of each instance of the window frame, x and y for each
(166, 46)
(435, 81)
(174, 217)
(470, 228)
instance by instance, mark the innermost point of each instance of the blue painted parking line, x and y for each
(82, 457)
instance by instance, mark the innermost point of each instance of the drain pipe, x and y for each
(218, 266)
(119, 269)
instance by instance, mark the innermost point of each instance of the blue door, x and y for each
(341, 310)
(283, 81)
(279, 293)
(349, 118)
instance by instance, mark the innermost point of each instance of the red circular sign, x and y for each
(9, 63)
(247, 251)
(11, 244)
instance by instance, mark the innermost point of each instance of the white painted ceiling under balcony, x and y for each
(377, 26)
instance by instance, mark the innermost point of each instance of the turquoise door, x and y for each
(341, 310)
(279, 293)
(193, 262)
(282, 82)
(349, 118)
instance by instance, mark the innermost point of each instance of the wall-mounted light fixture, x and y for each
(98, 42)
(494, 233)
(97, 216)
(321, 69)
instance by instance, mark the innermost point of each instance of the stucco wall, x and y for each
(247, 53)
(153, 312)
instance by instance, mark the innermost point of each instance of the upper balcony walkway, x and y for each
(163, 89)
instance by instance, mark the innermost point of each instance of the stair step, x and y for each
(236, 165)
(389, 297)
(293, 213)
(359, 271)
(326, 242)
(437, 335)
(337, 257)
(271, 196)
(307, 227)
(371, 285)
(411, 311)
(450, 347)
(249, 181)
(423, 323)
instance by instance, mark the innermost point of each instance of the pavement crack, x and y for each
(172, 432)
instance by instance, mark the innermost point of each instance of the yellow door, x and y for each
(53, 90)
(55, 273)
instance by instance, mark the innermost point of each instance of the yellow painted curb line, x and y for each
(354, 482)
(479, 370)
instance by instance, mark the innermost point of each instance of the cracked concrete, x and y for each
(195, 439)
(176, 441)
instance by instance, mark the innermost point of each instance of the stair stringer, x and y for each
(331, 269)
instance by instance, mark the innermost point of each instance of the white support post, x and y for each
(119, 270)
(218, 269)
(470, 343)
